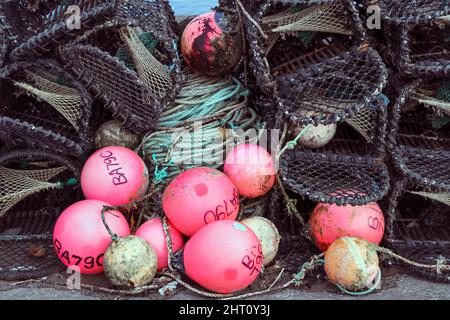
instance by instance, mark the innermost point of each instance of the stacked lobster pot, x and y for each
(323, 84)
(419, 137)
(59, 81)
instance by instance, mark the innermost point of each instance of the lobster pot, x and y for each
(349, 170)
(420, 148)
(37, 29)
(208, 118)
(130, 63)
(307, 56)
(44, 107)
(35, 187)
(418, 36)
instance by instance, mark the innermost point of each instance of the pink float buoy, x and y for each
(115, 175)
(198, 197)
(208, 47)
(330, 222)
(80, 238)
(252, 170)
(152, 231)
(224, 257)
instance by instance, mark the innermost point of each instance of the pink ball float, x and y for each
(252, 170)
(209, 47)
(330, 222)
(152, 231)
(80, 238)
(223, 257)
(116, 175)
(198, 197)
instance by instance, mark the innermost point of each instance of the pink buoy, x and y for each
(210, 46)
(198, 197)
(252, 170)
(223, 257)
(330, 222)
(116, 175)
(152, 231)
(80, 238)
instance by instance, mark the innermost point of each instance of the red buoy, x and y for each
(223, 257)
(80, 238)
(198, 197)
(330, 222)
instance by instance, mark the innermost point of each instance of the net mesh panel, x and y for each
(441, 197)
(67, 101)
(330, 18)
(333, 178)
(120, 89)
(16, 185)
(365, 121)
(124, 55)
(336, 88)
(414, 12)
(152, 72)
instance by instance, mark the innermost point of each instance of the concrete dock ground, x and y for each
(397, 284)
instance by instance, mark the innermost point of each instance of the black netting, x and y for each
(303, 50)
(130, 63)
(414, 12)
(419, 151)
(43, 106)
(34, 204)
(417, 36)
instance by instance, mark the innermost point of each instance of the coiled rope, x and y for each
(193, 130)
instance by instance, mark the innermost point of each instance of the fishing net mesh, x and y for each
(26, 249)
(152, 72)
(67, 101)
(330, 18)
(16, 185)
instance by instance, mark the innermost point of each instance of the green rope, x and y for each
(195, 124)
(292, 144)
